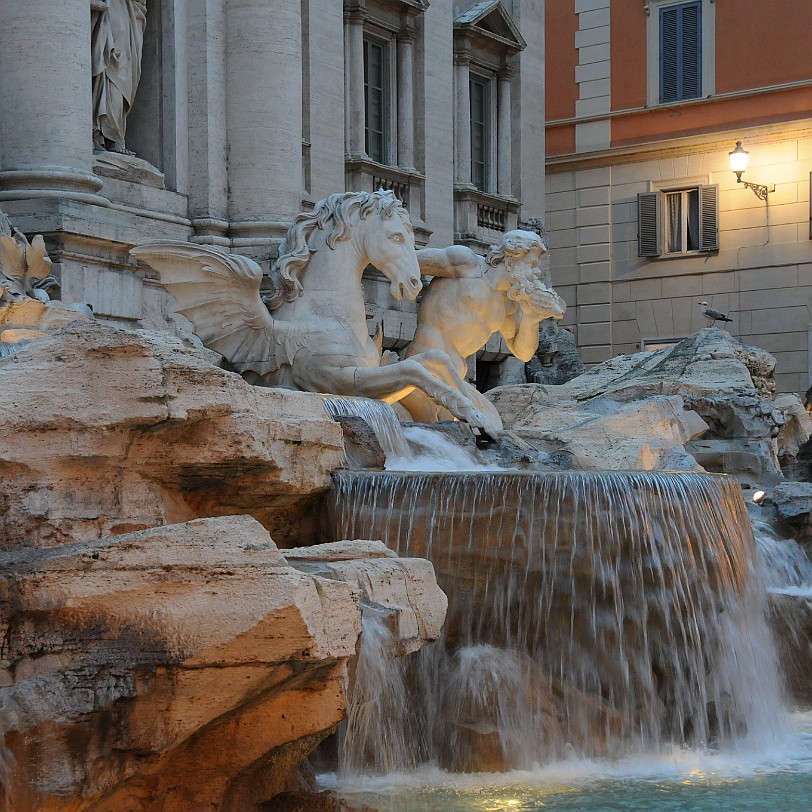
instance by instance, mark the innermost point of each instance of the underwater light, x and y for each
(758, 496)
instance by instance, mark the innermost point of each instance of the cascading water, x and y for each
(379, 726)
(786, 567)
(380, 417)
(589, 612)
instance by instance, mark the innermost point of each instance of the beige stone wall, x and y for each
(761, 276)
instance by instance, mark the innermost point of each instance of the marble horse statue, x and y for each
(311, 333)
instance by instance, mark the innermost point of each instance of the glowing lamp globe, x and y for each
(738, 160)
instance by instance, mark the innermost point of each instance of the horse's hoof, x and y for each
(482, 438)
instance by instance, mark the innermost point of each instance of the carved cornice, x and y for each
(409, 8)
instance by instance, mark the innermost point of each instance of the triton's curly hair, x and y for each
(333, 216)
(514, 244)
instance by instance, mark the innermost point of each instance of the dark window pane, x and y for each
(479, 133)
(693, 220)
(376, 99)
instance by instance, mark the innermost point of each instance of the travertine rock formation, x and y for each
(403, 592)
(645, 410)
(792, 502)
(791, 621)
(178, 668)
(159, 654)
(556, 360)
(105, 431)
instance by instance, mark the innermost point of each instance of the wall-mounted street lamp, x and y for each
(738, 163)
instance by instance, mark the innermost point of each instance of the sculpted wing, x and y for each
(219, 294)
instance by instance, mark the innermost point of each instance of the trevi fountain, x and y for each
(265, 564)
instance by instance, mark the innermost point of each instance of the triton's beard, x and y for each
(521, 288)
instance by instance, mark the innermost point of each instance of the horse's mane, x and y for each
(331, 215)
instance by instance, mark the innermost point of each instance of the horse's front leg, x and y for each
(392, 383)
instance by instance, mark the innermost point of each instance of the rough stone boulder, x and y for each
(660, 402)
(792, 503)
(403, 592)
(178, 668)
(104, 431)
(791, 621)
(797, 429)
(601, 433)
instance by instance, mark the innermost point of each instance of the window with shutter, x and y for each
(676, 222)
(681, 52)
(648, 224)
(709, 218)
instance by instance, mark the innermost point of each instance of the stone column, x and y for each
(46, 145)
(462, 120)
(354, 82)
(406, 100)
(263, 120)
(504, 139)
(208, 143)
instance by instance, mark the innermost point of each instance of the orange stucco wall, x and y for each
(560, 25)
(714, 115)
(560, 140)
(762, 42)
(628, 54)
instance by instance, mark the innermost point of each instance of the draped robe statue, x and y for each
(117, 39)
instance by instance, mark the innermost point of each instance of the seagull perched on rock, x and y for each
(713, 315)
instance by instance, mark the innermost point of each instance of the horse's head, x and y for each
(388, 242)
(374, 223)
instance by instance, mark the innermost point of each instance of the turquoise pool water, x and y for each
(777, 780)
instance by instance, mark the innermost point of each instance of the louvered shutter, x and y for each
(691, 51)
(648, 224)
(681, 52)
(709, 218)
(669, 19)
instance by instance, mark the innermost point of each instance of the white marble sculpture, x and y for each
(472, 297)
(317, 339)
(26, 310)
(117, 39)
(25, 268)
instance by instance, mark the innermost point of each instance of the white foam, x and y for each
(793, 754)
(436, 453)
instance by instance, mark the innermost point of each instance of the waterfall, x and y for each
(786, 567)
(380, 416)
(588, 612)
(436, 451)
(379, 729)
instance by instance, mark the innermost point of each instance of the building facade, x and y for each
(645, 101)
(248, 111)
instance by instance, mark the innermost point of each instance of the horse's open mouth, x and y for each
(406, 290)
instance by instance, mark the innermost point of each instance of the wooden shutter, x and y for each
(691, 47)
(709, 218)
(648, 224)
(681, 52)
(669, 87)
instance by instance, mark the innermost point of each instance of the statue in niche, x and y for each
(311, 333)
(472, 297)
(117, 39)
